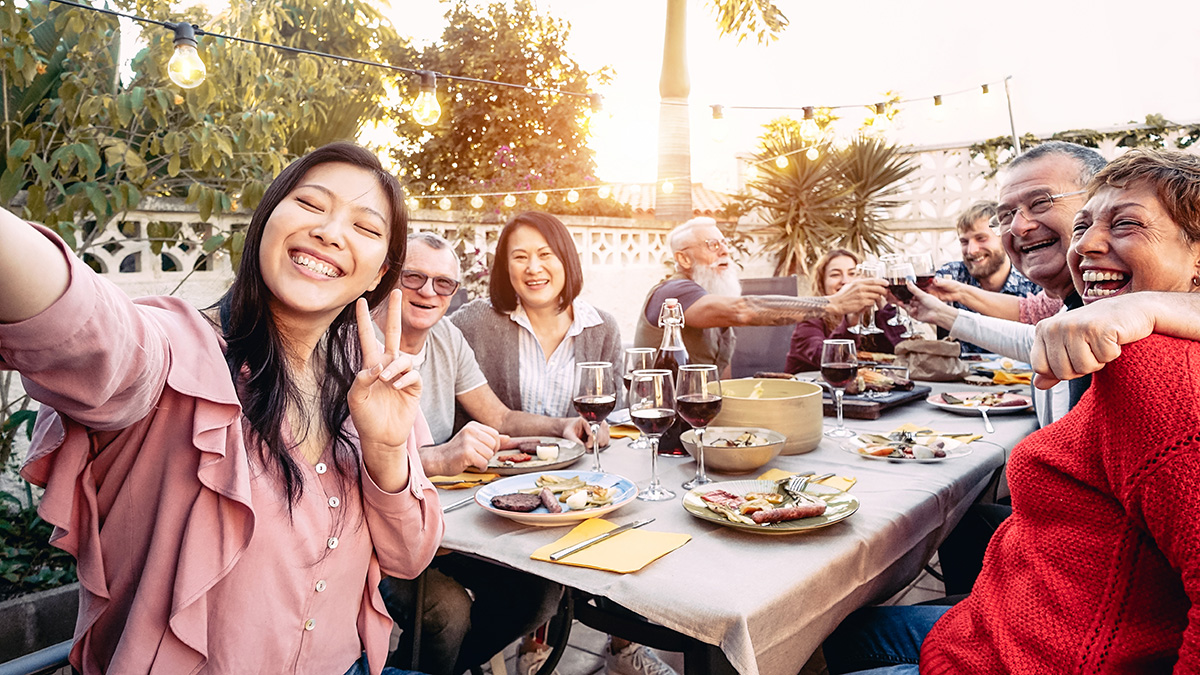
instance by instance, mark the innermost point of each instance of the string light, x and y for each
(541, 198)
(573, 196)
(185, 68)
(603, 192)
(812, 154)
(444, 203)
(781, 161)
(668, 187)
(510, 201)
(425, 109)
(477, 202)
(840, 143)
(720, 128)
(985, 89)
(413, 204)
(939, 110)
(810, 132)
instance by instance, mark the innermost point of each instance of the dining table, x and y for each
(764, 604)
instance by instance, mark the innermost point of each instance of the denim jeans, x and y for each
(881, 640)
(360, 667)
(458, 631)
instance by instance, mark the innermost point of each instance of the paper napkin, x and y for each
(462, 480)
(623, 431)
(627, 552)
(908, 426)
(1004, 378)
(842, 483)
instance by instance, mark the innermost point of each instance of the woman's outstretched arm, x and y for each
(33, 273)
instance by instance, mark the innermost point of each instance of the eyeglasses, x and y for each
(714, 245)
(415, 281)
(1034, 205)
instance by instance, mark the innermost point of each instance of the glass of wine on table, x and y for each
(595, 397)
(698, 400)
(636, 358)
(839, 367)
(652, 407)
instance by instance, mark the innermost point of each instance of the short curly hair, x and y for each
(1174, 176)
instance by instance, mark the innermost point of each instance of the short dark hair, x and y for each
(1174, 177)
(500, 288)
(1090, 162)
(984, 209)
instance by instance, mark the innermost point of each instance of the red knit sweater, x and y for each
(1098, 568)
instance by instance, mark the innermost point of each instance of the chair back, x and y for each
(763, 348)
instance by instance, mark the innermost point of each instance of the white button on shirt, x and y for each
(333, 542)
(334, 502)
(321, 468)
(320, 585)
(310, 624)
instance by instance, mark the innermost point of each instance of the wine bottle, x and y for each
(671, 354)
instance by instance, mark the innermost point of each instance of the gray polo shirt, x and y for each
(448, 369)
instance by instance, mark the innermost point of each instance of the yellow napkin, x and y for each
(462, 480)
(1005, 378)
(623, 431)
(909, 426)
(627, 552)
(842, 483)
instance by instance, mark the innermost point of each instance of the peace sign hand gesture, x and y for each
(384, 399)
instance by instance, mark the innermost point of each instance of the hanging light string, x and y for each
(935, 98)
(594, 99)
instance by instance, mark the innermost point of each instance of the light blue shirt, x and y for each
(547, 383)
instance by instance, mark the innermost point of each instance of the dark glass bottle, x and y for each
(671, 354)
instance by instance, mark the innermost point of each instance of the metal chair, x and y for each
(763, 348)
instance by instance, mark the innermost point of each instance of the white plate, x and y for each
(953, 449)
(569, 452)
(1014, 366)
(541, 516)
(960, 409)
(839, 506)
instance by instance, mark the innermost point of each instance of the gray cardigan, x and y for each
(493, 336)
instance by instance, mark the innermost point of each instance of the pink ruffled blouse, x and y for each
(188, 559)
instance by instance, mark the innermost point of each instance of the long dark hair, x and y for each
(256, 354)
(500, 288)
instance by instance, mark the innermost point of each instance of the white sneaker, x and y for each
(528, 663)
(634, 659)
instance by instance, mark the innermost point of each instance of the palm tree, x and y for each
(742, 18)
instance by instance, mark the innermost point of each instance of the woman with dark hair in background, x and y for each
(232, 483)
(834, 270)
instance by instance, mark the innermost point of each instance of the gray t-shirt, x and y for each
(448, 369)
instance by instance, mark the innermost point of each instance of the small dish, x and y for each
(569, 452)
(1022, 403)
(735, 459)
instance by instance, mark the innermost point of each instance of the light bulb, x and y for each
(603, 192)
(841, 143)
(668, 187)
(541, 199)
(751, 171)
(939, 109)
(413, 204)
(781, 162)
(425, 109)
(720, 130)
(812, 154)
(185, 67)
(573, 196)
(809, 130)
(444, 204)
(510, 201)
(477, 202)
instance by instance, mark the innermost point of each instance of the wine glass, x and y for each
(636, 358)
(922, 269)
(652, 407)
(698, 400)
(868, 270)
(595, 397)
(898, 274)
(839, 367)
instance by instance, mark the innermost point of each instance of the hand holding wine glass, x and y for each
(595, 397)
(839, 367)
(698, 400)
(868, 270)
(652, 407)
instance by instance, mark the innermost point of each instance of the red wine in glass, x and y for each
(924, 281)
(899, 288)
(838, 375)
(594, 408)
(698, 410)
(653, 421)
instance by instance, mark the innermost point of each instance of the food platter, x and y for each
(569, 452)
(953, 449)
(627, 492)
(839, 506)
(1021, 404)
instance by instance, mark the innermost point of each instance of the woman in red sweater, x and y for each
(1098, 568)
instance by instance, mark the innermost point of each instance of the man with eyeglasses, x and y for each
(461, 631)
(707, 286)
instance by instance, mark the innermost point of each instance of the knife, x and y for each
(575, 548)
(457, 505)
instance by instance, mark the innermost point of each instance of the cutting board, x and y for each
(862, 408)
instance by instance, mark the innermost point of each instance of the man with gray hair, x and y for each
(708, 289)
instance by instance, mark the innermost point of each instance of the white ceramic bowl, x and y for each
(735, 460)
(790, 407)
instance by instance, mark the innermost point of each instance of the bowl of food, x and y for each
(735, 449)
(790, 407)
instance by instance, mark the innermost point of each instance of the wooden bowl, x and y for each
(790, 407)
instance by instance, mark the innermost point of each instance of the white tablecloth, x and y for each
(769, 601)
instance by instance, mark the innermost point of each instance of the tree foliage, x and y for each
(497, 139)
(839, 199)
(759, 19)
(84, 145)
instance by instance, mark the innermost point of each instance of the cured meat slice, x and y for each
(785, 513)
(517, 501)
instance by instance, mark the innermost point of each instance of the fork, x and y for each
(795, 485)
(987, 423)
